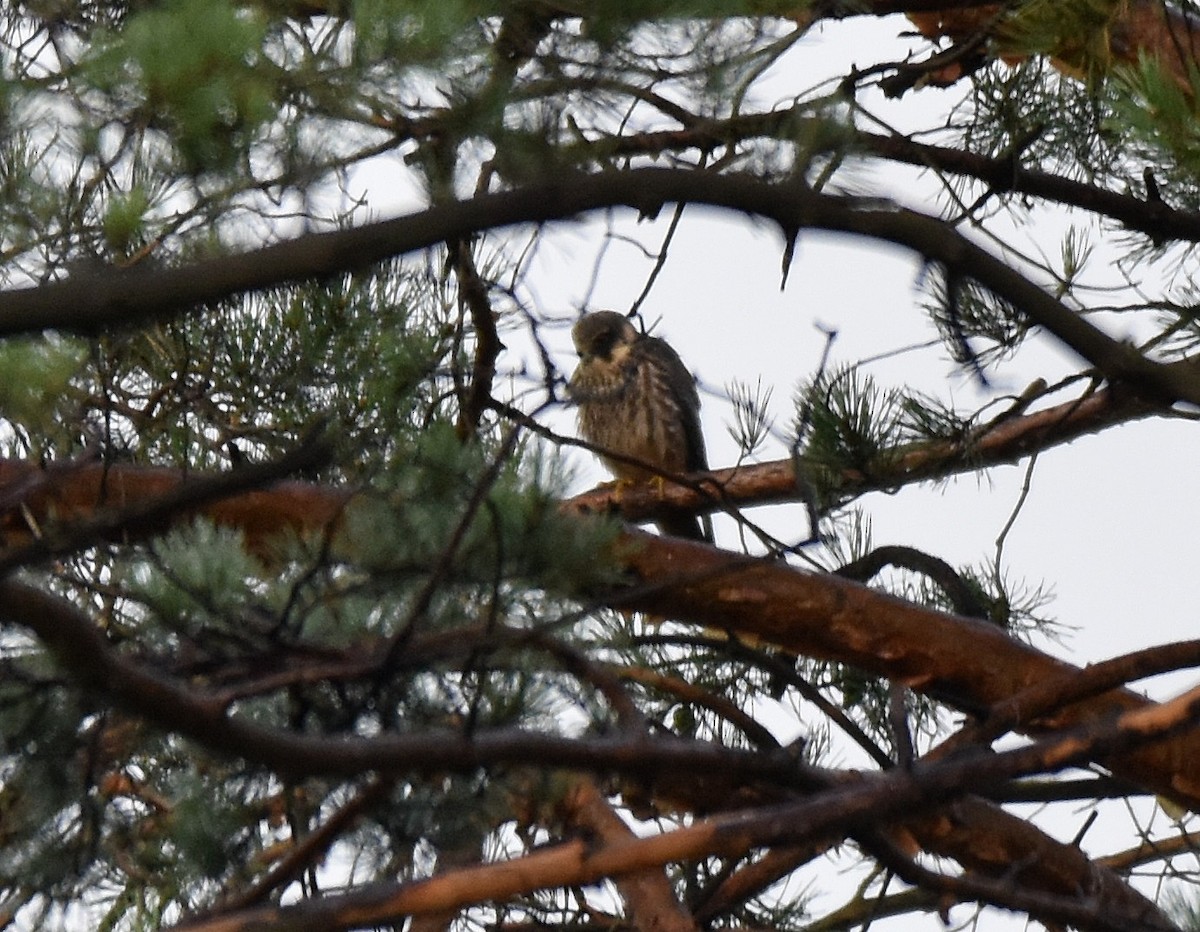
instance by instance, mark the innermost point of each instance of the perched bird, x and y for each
(637, 399)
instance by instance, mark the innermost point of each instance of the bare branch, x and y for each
(83, 650)
(89, 303)
(650, 901)
(868, 802)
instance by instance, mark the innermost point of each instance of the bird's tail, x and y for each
(688, 527)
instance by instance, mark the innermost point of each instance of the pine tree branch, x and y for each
(1085, 789)
(755, 876)
(983, 838)
(306, 853)
(863, 911)
(871, 802)
(82, 649)
(473, 294)
(1134, 30)
(44, 512)
(990, 842)
(90, 502)
(977, 833)
(1153, 217)
(1138, 28)
(1003, 442)
(650, 902)
(568, 10)
(970, 664)
(962, 599)
(31, 497)
(1041, 700)
(1159, 849)
(89, 303)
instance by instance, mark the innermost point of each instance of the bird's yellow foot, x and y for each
(619, 487)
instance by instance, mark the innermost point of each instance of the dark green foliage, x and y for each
(928, 418)
(1033, 114)
(369, 357)
(979, 328)
(1159, 118)
(846, 422)
(43, 740)
(194, 68)
(247, 378)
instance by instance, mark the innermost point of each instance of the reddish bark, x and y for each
(1006, 440)
(969, 663)
(33, 499)
(650, 902)
(1135, 30)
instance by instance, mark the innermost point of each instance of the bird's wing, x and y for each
(686, 398)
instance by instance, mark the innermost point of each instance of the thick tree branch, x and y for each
(89, 303)
(44, 511)
(32, 497)
(978, 834)
(871, 801)
(170, 704)
(82, 649)
(970, 664)
(1039, 702)
(650, 901)
(990, 842)
(1003, 442)
(61, 510)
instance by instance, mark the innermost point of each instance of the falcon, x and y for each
(638, 400)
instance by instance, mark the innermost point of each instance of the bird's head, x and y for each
(599, 334)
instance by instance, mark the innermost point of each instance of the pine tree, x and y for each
(304, 621)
